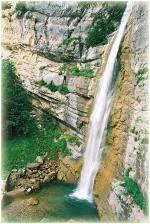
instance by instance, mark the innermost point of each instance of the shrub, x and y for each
(62, 147)
(73, 139)
(133, 189)
(21, 6)
(52, 87)
(63, 68)
(134, 131)
(40, 82)
(60, 88)
(145, 141)
(16, 103)
(97, 35)
(104, 24)
(42, 67)
(97, 64)
(116, 10)
(74, 71)
(6, 5)
(139, 75)
(63, 89)
(86, 72)
(142, 71)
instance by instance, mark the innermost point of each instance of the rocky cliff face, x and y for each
(48, 35)
(38, 43)
(127, 138)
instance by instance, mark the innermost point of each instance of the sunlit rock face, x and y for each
(126, 148)
(38, 39)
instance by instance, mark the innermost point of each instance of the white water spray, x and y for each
(99, 118)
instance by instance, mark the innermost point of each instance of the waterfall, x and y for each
(99, 118)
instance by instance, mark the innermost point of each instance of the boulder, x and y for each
(11, 180)
(31, 201)
(33, 165)
(39, 159)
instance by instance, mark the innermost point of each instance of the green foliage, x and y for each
(63, 89)
(74, 70)
(97, 64)
(62, 147)
(116, 10)
(97, 35)
(21, 6)
(145, 141)
(142, 71)
(63, 68)
(138, 99)
(104, 24)
(139, 75)
(16, 104)
(86, 72)
(86, 5)
(133, 189)
(73, 139)
(60, 88)
(133, 130)
(20, 151)
(6, 5)
(42, 67)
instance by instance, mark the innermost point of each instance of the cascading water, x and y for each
(99, 119)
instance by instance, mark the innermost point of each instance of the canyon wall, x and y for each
(39, 43)
(49, 35)
(127, 137)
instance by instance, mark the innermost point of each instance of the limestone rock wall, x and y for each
(126, 148)
(37, 40)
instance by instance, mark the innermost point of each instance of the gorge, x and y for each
(44, 40)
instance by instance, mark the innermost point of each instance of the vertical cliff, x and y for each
(40, 42)
(127, 138)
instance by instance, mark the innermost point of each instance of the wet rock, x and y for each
(15, 193)
(33, 165)
(31, 201)
(29, 190)
(11, 180)
(39, 159)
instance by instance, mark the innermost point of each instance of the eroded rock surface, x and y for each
(126, 145)
(31, 177)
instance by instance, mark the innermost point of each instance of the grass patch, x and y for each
(60, 88)
(86, 72)
(73, 139)
(20, 151)
(133, 189)
(42, 67)
(145, 141)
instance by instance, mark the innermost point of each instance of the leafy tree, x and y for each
(21, 6)
(16, 117)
